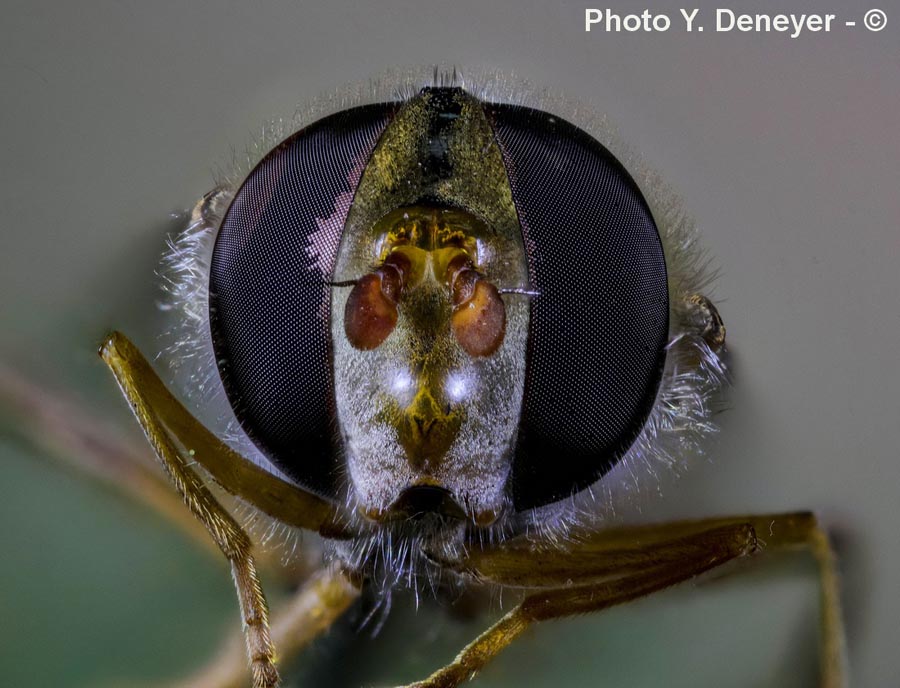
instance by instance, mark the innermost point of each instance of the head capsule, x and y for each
(443, 305)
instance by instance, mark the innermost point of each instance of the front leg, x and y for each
(228, 535)
(311, 611)
(166, 421)
(624, 564)
(174, 433)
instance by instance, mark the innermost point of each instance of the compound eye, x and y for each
(599, 325)
(270, 277)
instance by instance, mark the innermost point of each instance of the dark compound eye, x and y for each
(269, 293)
(598, 330)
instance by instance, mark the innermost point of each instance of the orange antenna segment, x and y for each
(479, 315)
(370, 314)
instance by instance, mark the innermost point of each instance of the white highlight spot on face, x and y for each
(401, 382)
(457, 387)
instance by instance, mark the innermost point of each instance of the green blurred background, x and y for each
(115, 116)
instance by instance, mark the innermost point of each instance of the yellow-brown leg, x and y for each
(311, 611)
(225, 531)
(623, 564)
(162, 415)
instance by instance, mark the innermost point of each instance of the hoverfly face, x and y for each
(440, 305)
(429, 361)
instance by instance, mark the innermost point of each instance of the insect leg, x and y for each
(134, 375)
(616, 551)
(721, 545)
(621, 564)
(625, 549)
(801, 530)
(311, 611)
(156, 409)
